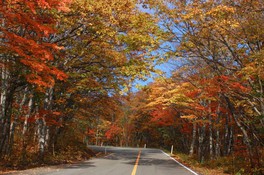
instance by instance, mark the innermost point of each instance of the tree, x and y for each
(26, 56)
(224, 37)
(65, 62)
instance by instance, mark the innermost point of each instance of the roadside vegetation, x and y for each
(221, 166)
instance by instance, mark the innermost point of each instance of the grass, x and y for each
(215, 167)
(66, 155)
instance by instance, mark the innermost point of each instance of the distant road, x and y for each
(124, 161)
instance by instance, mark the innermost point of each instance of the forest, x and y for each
(69, 68)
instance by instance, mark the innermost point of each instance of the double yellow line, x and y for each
(136, 164)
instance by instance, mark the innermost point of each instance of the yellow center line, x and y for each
(136, 164)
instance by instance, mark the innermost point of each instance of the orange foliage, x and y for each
(113, 131)
(33, 51)
(163, 116)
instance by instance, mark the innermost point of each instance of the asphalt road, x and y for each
(124, 161)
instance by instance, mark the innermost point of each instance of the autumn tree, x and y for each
(226, 39)
(64, 64)
(26, 58)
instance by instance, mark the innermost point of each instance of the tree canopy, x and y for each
(68, 66)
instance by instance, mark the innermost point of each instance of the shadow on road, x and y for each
(81, 165)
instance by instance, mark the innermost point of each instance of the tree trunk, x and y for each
(201, 131)
(247, 140)
(230, 140)
(193, 139)
(243, 130)
(217, 141)
(30, 107)
(43, 129)
(7, 93)
(4, 76)
(217, 144)
(41, 138)
(25, 127)
(228, 136)
(14, 123)
(217, 133)
(210, 132)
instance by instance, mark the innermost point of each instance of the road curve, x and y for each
(124, 161)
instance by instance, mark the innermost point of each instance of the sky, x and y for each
(167, 68)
